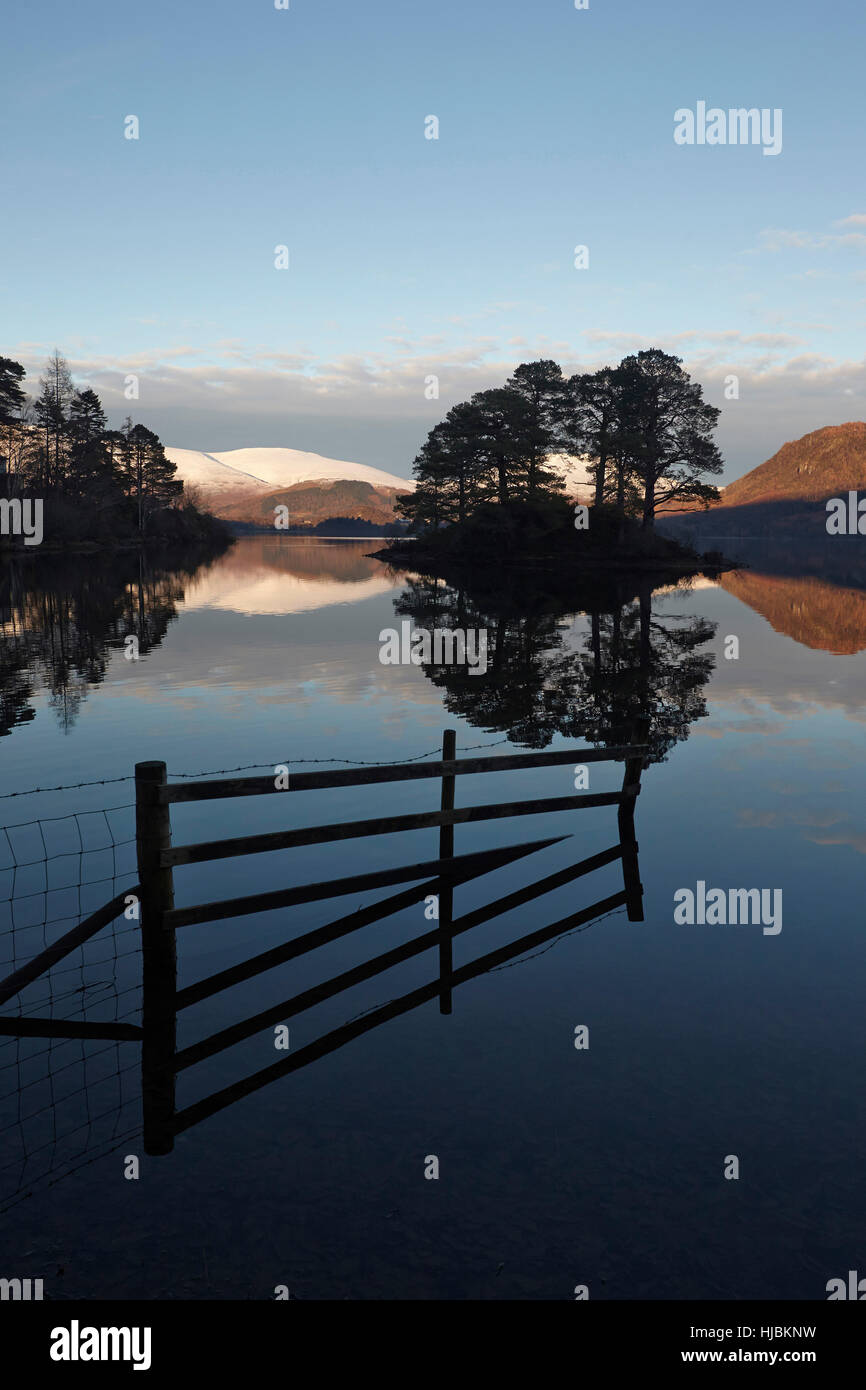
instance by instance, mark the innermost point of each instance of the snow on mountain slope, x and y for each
(283, 466)
(262, 470)
(214, 477)
(229, 480)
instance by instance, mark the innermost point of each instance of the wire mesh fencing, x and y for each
(65, 1101)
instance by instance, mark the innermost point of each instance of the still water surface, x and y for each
(557, 1166)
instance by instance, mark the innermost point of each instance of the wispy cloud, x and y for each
(374, 407)
(783, 239)
(725, 337)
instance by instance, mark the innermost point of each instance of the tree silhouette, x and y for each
(94, 483)
(632, 664)
(13, 400)
(644, 426)
(664, 432)
(592, 428)
(543, 389)
(51, 410)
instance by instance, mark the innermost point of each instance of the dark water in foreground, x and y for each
(557, 1166)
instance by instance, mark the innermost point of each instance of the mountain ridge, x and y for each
(787, 490)
(801, 468)
(786, 493)
(247, 485)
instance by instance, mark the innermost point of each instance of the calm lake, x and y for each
(559, 1164)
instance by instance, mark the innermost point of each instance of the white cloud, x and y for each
(782, 239)
(373, 409)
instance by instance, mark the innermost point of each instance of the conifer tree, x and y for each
(51, 411)
(12, 402)
(90, 473)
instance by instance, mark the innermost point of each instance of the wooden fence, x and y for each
(158, 857)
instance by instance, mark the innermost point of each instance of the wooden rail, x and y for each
(356, 883)
(339, 1037)
(397, 772)
(439, 878)
(383, 825)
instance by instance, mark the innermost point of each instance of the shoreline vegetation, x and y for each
(540, 539)
(491, 477)
(69, 484)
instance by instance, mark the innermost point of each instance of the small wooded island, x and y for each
(492, 477)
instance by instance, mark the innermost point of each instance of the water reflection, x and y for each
(34, 1009)
(273, 655)
(825, 617)
(811, 590)
(280, 575)
(634, 664)
(60, 621)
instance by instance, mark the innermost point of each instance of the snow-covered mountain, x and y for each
(251, 472)
(247, 484)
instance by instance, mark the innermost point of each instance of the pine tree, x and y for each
(148, 476)
(12, 402)
(12, 397)
(543, 388)
(506, 439)
(51, 410)
(90, 474)
(592, 425)
(665, 429)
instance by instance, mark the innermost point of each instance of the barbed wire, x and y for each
(507, 965)
(69, 786)
(245, 767)
(355, 762)
(542, 950)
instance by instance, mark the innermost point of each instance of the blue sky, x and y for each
(410, 256)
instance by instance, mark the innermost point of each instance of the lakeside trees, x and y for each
(96, 482)
(665, 432)
(13, 400)
(643, 427)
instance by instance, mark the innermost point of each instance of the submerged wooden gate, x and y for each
(160, 920)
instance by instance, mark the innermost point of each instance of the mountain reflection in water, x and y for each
(602, 1167)
(61, 620)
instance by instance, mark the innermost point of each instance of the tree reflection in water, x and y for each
(630, 662)
(60, 622)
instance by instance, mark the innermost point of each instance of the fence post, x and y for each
(625, 818)
(159, 960)
(446, 890)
